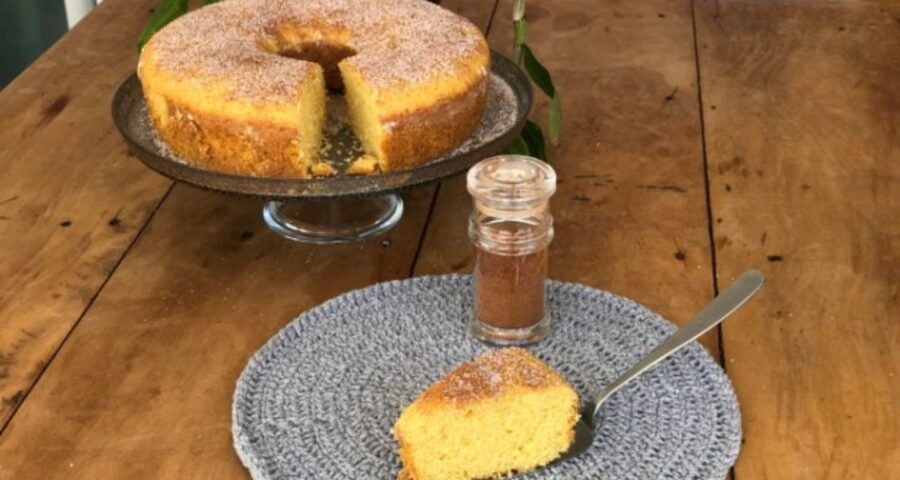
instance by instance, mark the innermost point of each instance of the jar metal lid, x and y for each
(511, 182)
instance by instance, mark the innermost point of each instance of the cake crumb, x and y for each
(363, 165)
(322, 170)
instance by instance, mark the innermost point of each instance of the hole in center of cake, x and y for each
(342, 147)
(327, 54)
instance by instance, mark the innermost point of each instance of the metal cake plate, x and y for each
(509, 103)
(342, 208)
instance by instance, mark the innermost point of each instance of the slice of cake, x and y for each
(506, 411)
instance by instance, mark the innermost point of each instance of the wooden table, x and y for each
(700, 139)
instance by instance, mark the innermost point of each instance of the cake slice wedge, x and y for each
(504, 412)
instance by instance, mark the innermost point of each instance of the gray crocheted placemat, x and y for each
(319, 399)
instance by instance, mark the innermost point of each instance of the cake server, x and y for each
(717, 310)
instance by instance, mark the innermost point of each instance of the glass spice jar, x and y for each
(511, 228)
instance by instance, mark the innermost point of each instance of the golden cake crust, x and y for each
(432, 131)
(221, 96)
(491, 375)
(256, 147)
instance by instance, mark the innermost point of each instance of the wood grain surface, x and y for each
(142, 388)
(132, 307)
(71, 200)
(630, 210)
(801, 105)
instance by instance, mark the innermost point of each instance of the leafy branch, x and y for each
(531, 141)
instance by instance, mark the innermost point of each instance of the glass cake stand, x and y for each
(341, 208)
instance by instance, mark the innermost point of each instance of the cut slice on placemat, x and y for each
(506, 411)
(320, 398)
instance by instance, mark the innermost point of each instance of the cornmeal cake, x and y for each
(240, 86)
(504, 412)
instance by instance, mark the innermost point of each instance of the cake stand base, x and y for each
(333, 221)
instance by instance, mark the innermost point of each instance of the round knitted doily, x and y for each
(319, 399)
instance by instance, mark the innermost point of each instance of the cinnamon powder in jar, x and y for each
(510, 288)
(511, 228)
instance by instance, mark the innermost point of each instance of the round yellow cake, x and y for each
(240, 86)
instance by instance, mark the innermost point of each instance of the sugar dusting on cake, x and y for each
(164, 150)
(491, 374)
(141, 123)
(395, 40)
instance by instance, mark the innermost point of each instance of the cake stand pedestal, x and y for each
(333, 221)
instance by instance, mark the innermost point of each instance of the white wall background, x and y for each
(77, 9)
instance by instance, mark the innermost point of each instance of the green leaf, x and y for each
(537, 72)
(555, 119)
(534, 138)
(167, 11)
(209, 2)
(518, 147)
(541, 77)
